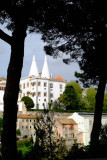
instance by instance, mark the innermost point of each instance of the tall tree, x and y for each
(20, 16)
(85, 40)
(69, 98)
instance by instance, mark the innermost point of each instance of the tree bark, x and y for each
(98, 111)
(9, 149)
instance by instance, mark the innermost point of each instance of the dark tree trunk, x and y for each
(9, 149)
(98, 111)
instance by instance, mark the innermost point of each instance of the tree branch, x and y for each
(5, 37)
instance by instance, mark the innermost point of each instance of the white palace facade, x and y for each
(41, 87)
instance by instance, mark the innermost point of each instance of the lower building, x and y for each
(85, 124)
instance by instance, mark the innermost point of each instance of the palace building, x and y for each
(41, 87)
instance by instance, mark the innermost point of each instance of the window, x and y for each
(51, 85)
(45, 84)
(69, 128)
(51, 95)
(51, 100)
(30, 127)
(22, 127)
(23, 85)
(33, 94)
(26, 127)
(33, 83)
(44, 100)
(65, 128)
(39, 94)
(65, 135)
(20, 86)
(28, 84)
(26, 120)
(45, 94)
(60, 86)
(39, 83)
(30, 120)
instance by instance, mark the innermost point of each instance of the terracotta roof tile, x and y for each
(26, 116)
(2, 78)
(67, 121)
(3, 84)
(58, 78)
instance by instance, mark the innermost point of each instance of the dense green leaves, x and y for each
(69, 98)
(28, 102)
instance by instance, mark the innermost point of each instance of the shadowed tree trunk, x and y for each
(98, 110)
(9, 149)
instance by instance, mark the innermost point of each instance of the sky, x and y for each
(34, 46)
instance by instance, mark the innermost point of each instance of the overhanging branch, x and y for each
(5, 37)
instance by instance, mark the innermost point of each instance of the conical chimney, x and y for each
(45, 70)
(33, 69)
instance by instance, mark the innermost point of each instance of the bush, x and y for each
(28, 102)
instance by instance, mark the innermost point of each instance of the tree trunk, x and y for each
(9, 149)
(98, 111)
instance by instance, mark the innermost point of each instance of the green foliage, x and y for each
(24, 146)
(90, 96)
(76, 86)
(69, 98)
(28, 102)
(49, 147)
(105, 100)
(18, 132)
(103, 135)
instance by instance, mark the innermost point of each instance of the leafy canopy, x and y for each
(28, 102)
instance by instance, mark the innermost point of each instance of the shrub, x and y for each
(28, 102)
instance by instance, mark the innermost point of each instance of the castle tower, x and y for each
(33, 69)
(45, 70)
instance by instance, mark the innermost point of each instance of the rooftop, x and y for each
(66, 121)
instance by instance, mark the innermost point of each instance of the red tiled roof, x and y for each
(2, 78)
(67, 121)
(26, 116)
(58, 78)
(3, 83)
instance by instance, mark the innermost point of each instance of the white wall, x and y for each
(85, 123)
(56, 91)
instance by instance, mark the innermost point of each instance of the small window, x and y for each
(23, 85)
(60, 86)
(65, 135)
(45, 84)
(45, 94)
(20, 86)
(51, 85)
(27, 84)
(65, 128)
(69, 128)
(39, 83)
(51, 95)
(39, 93)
